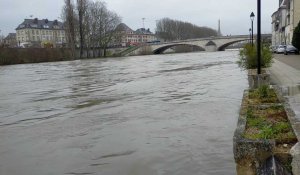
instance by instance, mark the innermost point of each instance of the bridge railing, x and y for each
(210, 38)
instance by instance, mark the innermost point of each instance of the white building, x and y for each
(39, 33)
(284, 21)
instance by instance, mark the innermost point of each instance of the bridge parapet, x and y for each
(220, 43)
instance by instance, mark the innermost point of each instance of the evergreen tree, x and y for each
(296, 37)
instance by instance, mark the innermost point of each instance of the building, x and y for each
(40, 33)
(284, 21)
(11, 40)
(127, 36)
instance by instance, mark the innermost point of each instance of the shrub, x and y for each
(248, 57)
(296, 37)
(263, 91)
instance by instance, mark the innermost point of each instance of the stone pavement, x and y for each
(285, 72)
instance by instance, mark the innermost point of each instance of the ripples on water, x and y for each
(146, 115)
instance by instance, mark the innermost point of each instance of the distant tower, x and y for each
(219, 28)
(143, 22)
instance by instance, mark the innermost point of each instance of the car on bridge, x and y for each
(291, 49)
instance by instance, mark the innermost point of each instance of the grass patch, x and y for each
(263, 94)
(269, 123)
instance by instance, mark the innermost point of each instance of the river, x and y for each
(169, 114)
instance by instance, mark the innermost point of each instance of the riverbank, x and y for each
(10, 56)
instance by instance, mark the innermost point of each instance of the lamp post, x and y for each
(250, 36)
(252, 19)
(258, 36)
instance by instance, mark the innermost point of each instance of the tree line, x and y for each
(170, 30)
(89, 26)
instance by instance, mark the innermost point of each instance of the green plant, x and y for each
(282, 127)
(262, 94)
(267, 132)
(296, 37)
(263, 91)
(257, 122)
(249, 113)
(248, 57)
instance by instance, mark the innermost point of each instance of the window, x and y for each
(33, 38)
(288, 20)
(32, 32)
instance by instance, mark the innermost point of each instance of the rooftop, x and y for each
(10, 36)
(41, 24)
(143, 31)
(124, 28)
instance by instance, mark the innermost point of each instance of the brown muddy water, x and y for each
(145, 115)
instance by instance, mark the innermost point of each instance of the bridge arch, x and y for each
(223, 47)
(160, 50)
(211, 43)
(210, 46)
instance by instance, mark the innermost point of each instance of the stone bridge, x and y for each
(211, 44)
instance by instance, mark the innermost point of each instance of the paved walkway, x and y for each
(285, 72)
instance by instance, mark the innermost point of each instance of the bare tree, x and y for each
(110, 22)
(69, 17)
(2, 41)
(102, 26)
(170, 30)
(93, 25)
(82, 10)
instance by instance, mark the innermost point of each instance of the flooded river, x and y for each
(145, 115)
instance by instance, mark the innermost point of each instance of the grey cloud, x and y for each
(234, 14)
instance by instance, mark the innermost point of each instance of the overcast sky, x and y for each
(234, 14)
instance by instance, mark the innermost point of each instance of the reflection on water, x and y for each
(146, 115)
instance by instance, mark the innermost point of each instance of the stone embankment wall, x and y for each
(32, 55)
(37, 55)
(252, 156)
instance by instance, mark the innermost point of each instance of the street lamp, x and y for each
(250, 36)
(258, 36)
(252, 19)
